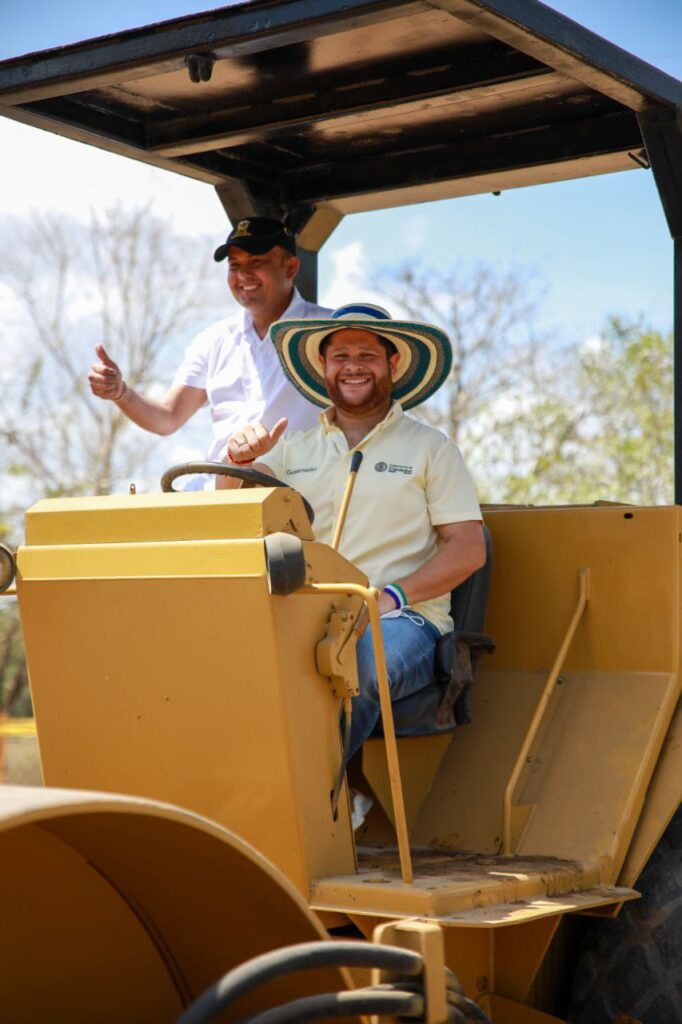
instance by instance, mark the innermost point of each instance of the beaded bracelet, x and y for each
(395, 591)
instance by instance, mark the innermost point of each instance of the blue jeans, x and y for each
(410, 653)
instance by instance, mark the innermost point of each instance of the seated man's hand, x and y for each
(385, 604)
(253, 442)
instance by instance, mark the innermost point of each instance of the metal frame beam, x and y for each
(228, 31)
(677, 365)
(570, 48)
(452, 159)
(87, 117)
(662, 133)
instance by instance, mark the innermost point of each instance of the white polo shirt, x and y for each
(412, 479)
(242, 376)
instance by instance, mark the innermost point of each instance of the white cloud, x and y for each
(348, 264)
(592, 345)
(349, 276)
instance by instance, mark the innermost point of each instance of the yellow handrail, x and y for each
(584, 580)
(370, 596)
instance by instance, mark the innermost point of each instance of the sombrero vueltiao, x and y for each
(424, 351)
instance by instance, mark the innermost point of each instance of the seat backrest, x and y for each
(469, 600)
(468, 607)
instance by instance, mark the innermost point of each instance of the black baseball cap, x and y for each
(257, 235)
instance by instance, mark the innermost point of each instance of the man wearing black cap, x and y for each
(232, 364)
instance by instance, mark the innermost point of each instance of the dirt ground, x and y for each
(21, 762)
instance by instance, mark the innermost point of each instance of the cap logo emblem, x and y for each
(242, 230)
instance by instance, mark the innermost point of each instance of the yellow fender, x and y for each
(124, 909)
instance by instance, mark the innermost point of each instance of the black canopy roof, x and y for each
(335, 106)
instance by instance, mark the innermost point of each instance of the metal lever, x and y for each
(355, 461)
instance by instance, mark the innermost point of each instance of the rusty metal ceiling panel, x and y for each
(348, 103)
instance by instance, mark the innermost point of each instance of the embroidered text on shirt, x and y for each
(392, 467)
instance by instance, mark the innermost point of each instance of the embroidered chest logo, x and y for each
(302, 469)
(392, 467)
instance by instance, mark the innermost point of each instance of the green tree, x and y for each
(539, 423)
(596, 425)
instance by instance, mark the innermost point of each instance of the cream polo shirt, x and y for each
(242, 376)
(412, 479)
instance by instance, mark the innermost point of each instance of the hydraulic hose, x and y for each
(363, 1001)
(467, 1008)
(302, 957)
(366, 1001)
(460, 1009)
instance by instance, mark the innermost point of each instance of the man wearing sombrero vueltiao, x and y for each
(414, 526)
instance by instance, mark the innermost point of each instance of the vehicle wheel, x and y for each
(633, 965)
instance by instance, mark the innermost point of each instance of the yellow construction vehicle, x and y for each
(190, 652)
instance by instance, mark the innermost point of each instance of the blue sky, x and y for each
(601, 245)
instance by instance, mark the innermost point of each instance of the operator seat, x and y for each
(446, 704)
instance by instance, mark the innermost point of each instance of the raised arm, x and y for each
(160, 416)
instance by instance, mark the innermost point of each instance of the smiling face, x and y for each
(358, 371)
(262, 284)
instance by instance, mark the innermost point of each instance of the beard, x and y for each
(378, 397)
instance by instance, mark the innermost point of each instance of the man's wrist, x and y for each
(122, 393)
(398, 595)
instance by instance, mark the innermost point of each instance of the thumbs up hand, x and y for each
(253, 441)
(105, 377)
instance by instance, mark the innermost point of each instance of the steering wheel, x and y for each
(249, 478)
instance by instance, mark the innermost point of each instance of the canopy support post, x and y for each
(662, 134)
